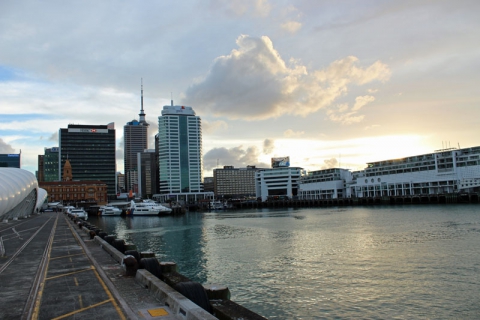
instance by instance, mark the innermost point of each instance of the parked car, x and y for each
(79, 213)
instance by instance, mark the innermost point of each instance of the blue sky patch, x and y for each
(7, 73)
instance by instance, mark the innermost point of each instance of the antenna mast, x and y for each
(141, 115)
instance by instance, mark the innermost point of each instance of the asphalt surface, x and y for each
(50, 270)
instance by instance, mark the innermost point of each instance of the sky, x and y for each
(329, 83)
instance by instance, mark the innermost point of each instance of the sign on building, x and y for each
(280, 162)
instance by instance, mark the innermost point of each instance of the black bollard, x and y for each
(131, 266)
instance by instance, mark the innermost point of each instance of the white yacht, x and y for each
(148, 208)
(111, 211)
(217, 205)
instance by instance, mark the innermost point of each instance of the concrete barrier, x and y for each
(173, 299)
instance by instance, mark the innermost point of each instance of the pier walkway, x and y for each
(49, 270)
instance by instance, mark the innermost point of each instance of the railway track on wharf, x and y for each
(45, 273)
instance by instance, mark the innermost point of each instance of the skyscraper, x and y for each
(135, 138)
(180, 150)
(11, 160)
(50, 164)
(91, 151)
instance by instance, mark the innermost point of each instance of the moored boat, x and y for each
(111, 211)
(147, 208)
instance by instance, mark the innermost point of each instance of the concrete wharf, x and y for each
(449, 198)
(53, 268)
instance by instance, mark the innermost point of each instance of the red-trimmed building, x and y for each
(74, 192)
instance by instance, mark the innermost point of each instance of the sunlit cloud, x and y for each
(373, 126)
(253, 82)
(239, 157)
(268, 146)
(239, 8)
(291, 134)
(362, 101)
(291, 26)
(346, 115)
(330, 163)
(209, 127)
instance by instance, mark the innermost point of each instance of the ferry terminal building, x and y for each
(441, 172)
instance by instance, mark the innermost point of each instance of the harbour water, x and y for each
(379, 262)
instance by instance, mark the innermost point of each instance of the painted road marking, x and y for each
(111, 299)
(83, 309)
(70, 273)
(63, 257)
(159, 312)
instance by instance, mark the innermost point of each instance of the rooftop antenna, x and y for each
(141, 115)
(171, 99)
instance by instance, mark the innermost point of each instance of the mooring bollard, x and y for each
(133, 253)
(131, 266)
(147, 254)
(92, 234)
(130, 246)
(217, 292)
(168, 267)
(109, 239)
(151, 265)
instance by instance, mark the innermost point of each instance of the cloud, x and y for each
(371, 127)
(291, 26)
(209, 127)
(119, 154)
(346, 115)
(260, 8)
(291, 134)
(54, 137)
(362, 101)
(238, 157)
(253, 82)
(152, 131)
(5, 147)
(268, 146)
(330, 163)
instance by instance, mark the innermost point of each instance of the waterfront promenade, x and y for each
(49, 270)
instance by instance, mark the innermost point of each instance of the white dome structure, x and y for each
(19, 194)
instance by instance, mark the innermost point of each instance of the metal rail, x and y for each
(10, 260)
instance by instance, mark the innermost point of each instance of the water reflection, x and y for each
(378, 262)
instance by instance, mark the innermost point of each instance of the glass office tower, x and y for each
(10, 160)
(135, 138)
(180, 150)
(91, 152)
(50, 165)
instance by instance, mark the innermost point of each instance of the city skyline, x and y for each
(330, 84)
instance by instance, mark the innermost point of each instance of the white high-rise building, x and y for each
(180, 151)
